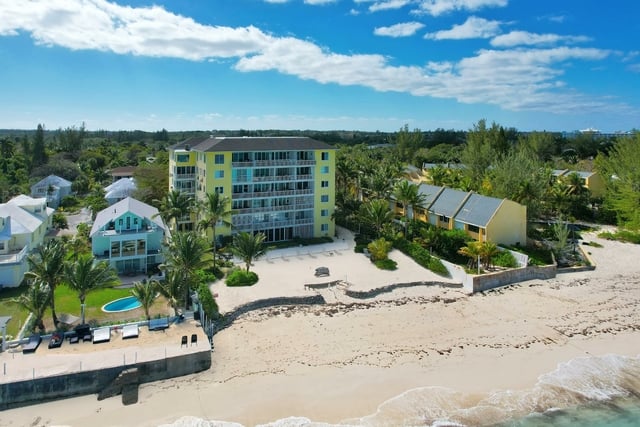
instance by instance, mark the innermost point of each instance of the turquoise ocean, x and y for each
(587, 391)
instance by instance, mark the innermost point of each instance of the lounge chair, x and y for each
(194, 339)
(101, 335)
(83, 332)
(184, 342)
(159, 324)
(32, 345)
(130, 331)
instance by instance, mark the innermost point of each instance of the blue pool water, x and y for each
(122, 304)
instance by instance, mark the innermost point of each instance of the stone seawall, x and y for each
(38, 390)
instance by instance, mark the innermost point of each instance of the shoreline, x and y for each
(341, 362)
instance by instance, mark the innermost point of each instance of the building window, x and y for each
(218, 174)
(473, 228)
(1, 246)
(324, 227)
(324, 169)
(182, 158)
(324, 212)
(219, 159)
(219, 190)
(324, 198)
(325, 184)
(325, 155)
(444, 219)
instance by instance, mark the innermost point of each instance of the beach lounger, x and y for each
(83, 332)
(32, 345)
(183, 341)
(102, 335)
(159, 324)
(130, 331)
(194, 339)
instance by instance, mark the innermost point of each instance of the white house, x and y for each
(120, 189)
(24, 222)
(53, 188)
(130, 235)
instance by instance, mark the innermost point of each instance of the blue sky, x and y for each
(320, 64)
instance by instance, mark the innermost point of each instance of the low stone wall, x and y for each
(38, 390)
(507, 277)
(389, 288)
(232, 315)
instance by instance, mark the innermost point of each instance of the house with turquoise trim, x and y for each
(130, 235)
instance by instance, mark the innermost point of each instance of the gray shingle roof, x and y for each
(430, 193)
(478, 210)
(448, 202)
(280, 143)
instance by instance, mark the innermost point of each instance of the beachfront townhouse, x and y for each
(130, 235)
(24, 222)
(53, 188)
(483, 218)
(281, 186)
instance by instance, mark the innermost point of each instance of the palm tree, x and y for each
(174, 206)
(46, 267)
(473, 251)
(376, 213)
(408, 194)
(249, 247)
(84, 276)
(488, 250)
(172, 288)
(36, 300)
(145, 292)
(186, 254)
(215, 209)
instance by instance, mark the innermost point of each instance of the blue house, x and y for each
(130, 235)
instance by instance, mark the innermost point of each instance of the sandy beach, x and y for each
(373, 361)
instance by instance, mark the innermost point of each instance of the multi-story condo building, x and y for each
(281, 186)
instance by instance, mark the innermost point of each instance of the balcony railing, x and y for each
(14, 257)
(126, 254)
(271, 194)
(263, 163)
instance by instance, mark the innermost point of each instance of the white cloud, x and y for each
(524, 38)
(438, 7)
(472, 28)
(514, 79)
(404, 29)
(388, 5)
(319, 2)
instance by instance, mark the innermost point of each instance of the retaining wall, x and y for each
(38, 390)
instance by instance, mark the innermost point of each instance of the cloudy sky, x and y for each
(320, 64)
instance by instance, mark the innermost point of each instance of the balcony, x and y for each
(15, 257)
(126, 254)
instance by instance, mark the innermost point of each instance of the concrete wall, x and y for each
(38, 390)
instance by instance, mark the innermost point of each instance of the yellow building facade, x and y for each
(281, 186)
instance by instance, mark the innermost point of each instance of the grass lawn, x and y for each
(67, 302)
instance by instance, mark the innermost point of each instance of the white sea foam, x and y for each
(579, 381)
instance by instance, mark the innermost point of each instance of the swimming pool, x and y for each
(121, 304)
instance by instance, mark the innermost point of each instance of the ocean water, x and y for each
(589, 391)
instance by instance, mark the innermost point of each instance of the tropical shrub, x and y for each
(505, 259)
(379, 249)
(386, 264)
(209, 304)
(241, 278)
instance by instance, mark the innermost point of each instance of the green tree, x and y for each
(379, 249)
(172, 288)
(185, 255)
(620, 171)
(472, 250)
(145, 292)
(36, 301)
(215, 211)
(174, 206)
(84, 275)
(480, 151)
(46, 267)
(408, 143)
(152, 181)
(376, 213)
(248, 247)
(38, 152)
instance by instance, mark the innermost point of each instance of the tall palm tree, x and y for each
(46, 267)
(376, 213)
(249, 247)
(408, 194)
(174, 206)
(145, 292)
(84, 276)
(35, 300)
(473, 251)
(186, 255)
(215, 210)
(172, 288)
